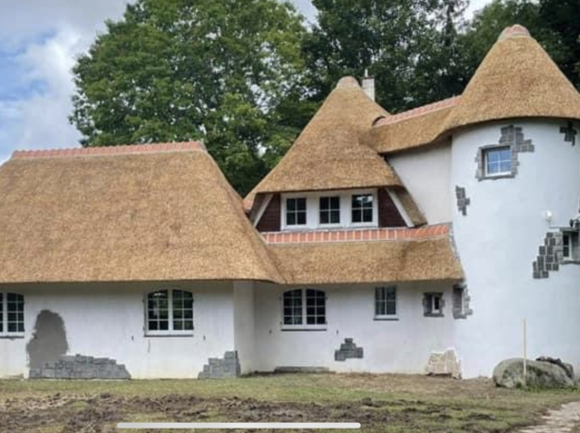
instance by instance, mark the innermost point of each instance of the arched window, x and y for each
(169, 312)
(304, 308)
(11, 314)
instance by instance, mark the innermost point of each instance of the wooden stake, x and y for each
(525, 355)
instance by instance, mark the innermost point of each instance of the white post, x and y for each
(525, 355)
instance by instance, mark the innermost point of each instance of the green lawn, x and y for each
(381, 403)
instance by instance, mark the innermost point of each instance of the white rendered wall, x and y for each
(498, 241)
(402, 346)
(107, 320)
(244, 324)
(426, 173)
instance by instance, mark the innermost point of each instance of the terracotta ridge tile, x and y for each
(110, 150)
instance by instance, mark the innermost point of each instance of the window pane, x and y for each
(292, 307)
(291, 204)
(163, 325)
(177, 325)
(368, 215)
(335, 203)
(1, 312)
(301, 204)
(362, 208)
(356, 216)
(324, 217)
(188, 325)
(301, 218)
(291, 219)
(335, 217)
(324, 203)
(15, 316)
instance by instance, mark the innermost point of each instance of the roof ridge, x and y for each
(127, 149)
(419, 111)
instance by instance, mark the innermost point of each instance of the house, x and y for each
(409, 243)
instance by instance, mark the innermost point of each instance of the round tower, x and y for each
(515, 174)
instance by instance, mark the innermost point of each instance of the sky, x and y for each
(39, 42)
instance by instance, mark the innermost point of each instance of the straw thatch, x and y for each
(404, 132)
(367, 262)
(416, 216)
(124, 214)
(517, 79)
(328, 155)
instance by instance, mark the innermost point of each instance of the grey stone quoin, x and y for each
(80, 367)
(462, 200)
(460, 302)
(549, 255)
(220, 368)
(569, 133)
(510, 136)
(347, 350)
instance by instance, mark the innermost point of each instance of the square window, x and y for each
(570, 246)
(497, 161)
(295, 211)
(362, 208)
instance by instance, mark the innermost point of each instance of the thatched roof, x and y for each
(328, 155)
(517, 79)
(129, 213)
(411, 255)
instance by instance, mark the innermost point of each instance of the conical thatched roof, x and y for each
(129, 213)
(328, 154)
(517, 78)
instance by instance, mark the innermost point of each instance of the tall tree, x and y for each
(224, 71)
(409, 46)
(553, 23)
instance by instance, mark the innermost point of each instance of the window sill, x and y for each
(169, 335)
(570, 262)
(386, 318)
(434, 315)
(18, 336)
(303, 328)
(499, 176)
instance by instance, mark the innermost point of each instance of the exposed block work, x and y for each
(549, 255)
(80, 367)
(220, 368)
(462, 200)
(348, 350)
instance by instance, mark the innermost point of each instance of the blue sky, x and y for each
(39, 41)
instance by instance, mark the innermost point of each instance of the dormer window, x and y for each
(296, 211)
(329, 210)
(362, 208)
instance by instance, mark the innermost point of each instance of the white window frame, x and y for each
(4, 307)
(340, 213)
(485, 155)
(170, 331)
(285, 212)
(432, 310)
(386, 316)
(304, 326)
(313, 209)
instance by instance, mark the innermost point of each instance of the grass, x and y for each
(381, 403)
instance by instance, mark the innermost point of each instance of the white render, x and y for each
(498, 241)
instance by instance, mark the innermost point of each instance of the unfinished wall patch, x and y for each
(569, 133)
(460, 301)
(219, 368)
(549, 255)
(80, 367)
(48, 342)
(462, 200)
(510, 136)
(348, 350)
(444, 364)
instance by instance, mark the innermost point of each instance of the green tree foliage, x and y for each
(553, 23)
(411, 47)
(228, 72)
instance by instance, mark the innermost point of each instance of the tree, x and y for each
(224, 71)
(409, 46)
(553, 23)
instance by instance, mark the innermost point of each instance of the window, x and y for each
(433, 304)
(498, 161)
(295, 211)
(570, 246)
(362, 208)
(170, 312)
(11, 314)
(304, 308)
(385, 302)
(330, 210)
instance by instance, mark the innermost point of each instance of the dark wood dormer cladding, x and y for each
(389, 215)
(270, 221)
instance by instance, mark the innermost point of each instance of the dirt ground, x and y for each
(383, 403)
